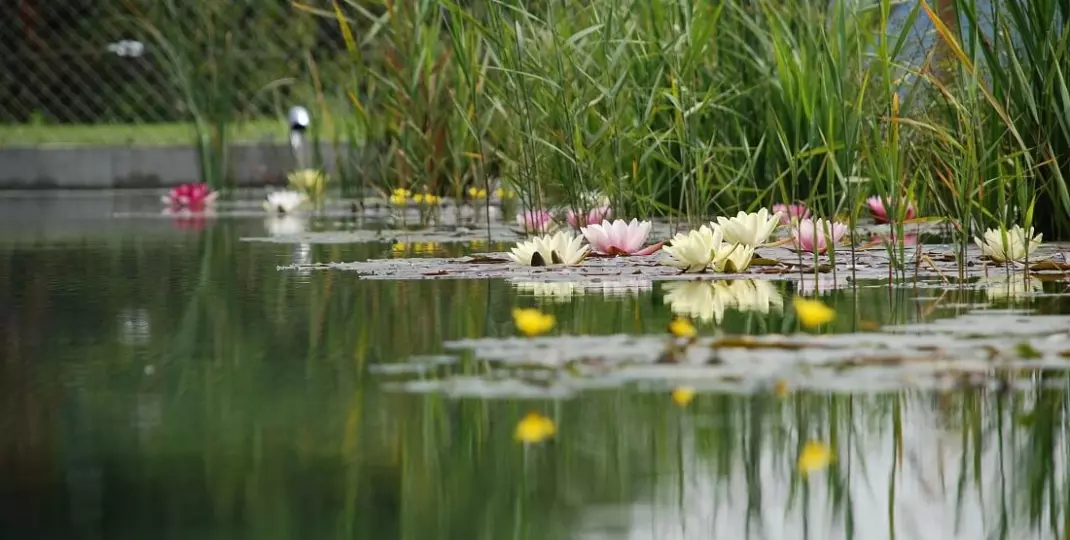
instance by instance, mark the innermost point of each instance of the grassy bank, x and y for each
(132, 134)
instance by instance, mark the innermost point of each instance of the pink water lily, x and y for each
(536, 221)
(816, 236)
(193, 196)
(791, 212)
(595, 215)
(880, 214)
(619, 237)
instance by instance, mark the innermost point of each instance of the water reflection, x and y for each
(285, 225)
(563, 291)
(1010, 288)
(260, 417)
(708, 300)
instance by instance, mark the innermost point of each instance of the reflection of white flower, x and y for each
(1017, 246)
(560, 291)
(808, 284)
(284, 225)
(1010, 287)
(708, 300)
(702, 300)
(619, 288)
(135, 327)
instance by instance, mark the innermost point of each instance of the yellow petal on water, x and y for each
(815, 456)
(682, 328)
(534, 428)
(532, 322)
(812, 312)
(683, 395)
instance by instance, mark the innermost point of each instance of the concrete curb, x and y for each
(102, 167)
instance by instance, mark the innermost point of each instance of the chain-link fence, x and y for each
(146, 68)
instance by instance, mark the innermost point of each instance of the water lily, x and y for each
(310, 181)
(534, 428)
(694, 251)
(194, 196)
(617, 238)
(812, 313)
(536, 221)
(400, 197)
(561, 248)
(284, 201)
(682, 328)
(814, 457)
(594, 215)
(732, 258)
(1005, 245)
(751, 229)
(880, 214)
(791, 212)
(532, 322)
(683, 395)
(816, 236)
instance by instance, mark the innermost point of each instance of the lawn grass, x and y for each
(262, 130)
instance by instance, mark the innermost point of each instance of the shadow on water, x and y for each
(179, 386)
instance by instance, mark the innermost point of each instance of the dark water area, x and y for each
(163, 379)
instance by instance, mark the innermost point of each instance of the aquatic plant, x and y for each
(194, 196)
(562, 248)
(311, 182)
(815, 456)
(880, 214)
(536, 221)
(816, 236)
(534, 428)
(284, 201)
(594, 215)
(532, 322)
(790, 213)
(812, 313)
(732, 258)
(400, 197)
(618, 238)
(1008, 245)
(749, 229)
(695, 250)
(683, 395)
(682, 328)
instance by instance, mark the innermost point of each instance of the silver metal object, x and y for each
(299, 118)
(299, 122)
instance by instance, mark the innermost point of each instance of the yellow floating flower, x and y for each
(504, 193)
(477, 193)
(400, 196)
(534, 428)
(532, 322)
(812, 313)
(814, 457)
(682, 328)
(683, 395)
(399, 248)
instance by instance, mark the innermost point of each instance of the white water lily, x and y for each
(284, 201)
(751, 229)
(1004, 245)
(694, 251)
(561, 248)
(733, 258)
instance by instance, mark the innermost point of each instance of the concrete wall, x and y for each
(77, 167)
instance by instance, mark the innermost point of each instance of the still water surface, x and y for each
(164, 380)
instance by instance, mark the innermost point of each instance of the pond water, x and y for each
(164, 379)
